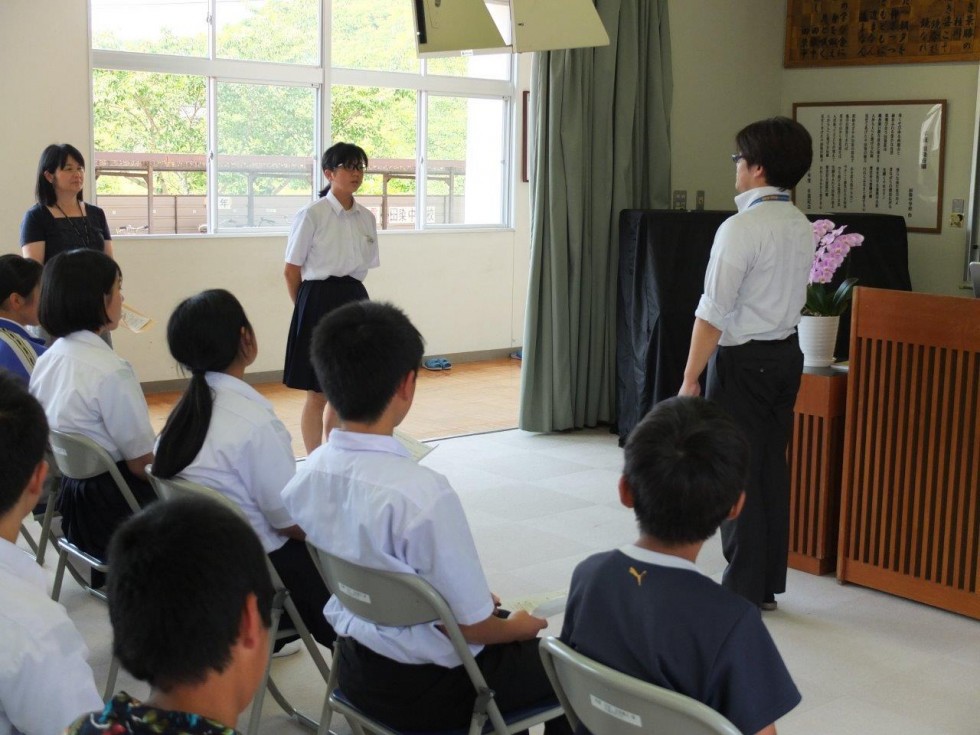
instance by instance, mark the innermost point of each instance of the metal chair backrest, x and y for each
(177, 487)
(80, 458)
(609, 702)
(397, 599)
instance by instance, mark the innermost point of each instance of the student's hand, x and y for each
(526, 626)
(690, 388)
(496, 601)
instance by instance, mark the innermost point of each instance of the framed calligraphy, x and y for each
(845, 32)
(882, 157)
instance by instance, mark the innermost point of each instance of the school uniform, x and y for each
(248, 457)
(754, 290)
(18, 349)
(335, 248)
(87, 389)
(45, 681)
(361, 497)
(657, 618)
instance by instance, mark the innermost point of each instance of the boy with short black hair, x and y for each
(190, 601)
(45, 681)
(646, 610)
(360, 496)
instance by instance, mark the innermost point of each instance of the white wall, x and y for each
(935, 261)
(727, 64)
(44, 89)
(465, 291)
(728, 71)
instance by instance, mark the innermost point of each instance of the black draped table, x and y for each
(663, 255)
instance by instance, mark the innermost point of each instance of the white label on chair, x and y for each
(614, 711)
(356, 594)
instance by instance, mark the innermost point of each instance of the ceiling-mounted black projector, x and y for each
(452, 27)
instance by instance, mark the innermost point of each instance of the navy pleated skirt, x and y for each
(314, 300)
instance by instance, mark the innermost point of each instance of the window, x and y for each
(210, 116)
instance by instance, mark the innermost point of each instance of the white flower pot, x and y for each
(818, 337)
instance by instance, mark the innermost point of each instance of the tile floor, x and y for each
(866, 662)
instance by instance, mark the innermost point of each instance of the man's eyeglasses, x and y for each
(736, 157)
(351, 166)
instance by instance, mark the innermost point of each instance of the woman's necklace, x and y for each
(84, 239)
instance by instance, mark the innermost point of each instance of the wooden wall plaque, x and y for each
(847, 32)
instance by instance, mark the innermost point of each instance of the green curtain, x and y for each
(601, 144)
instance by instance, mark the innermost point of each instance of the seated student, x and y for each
(360, 496)
(170, 563)
(44, 680)
(646, 610)
(20, 288)
(225, 435)
(87, 389)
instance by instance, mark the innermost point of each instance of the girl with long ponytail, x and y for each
(225, 435)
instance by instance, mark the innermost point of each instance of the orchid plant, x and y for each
(832, 246)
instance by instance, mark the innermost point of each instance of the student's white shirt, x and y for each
(45, 681)
(755, 285)
(87, 389)
(362, 498)
(247, 456)
(328, 240)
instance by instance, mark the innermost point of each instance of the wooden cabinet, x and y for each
(815, 457)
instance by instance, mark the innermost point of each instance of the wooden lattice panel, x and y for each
(910, 516)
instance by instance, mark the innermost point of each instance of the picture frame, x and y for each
(884, 157)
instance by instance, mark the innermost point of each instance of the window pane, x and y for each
(285, 31)
(373, 34)
(151, 26)
(465, 164)
(265, 157)
(383, 122)
(484, 66)
(150, 145)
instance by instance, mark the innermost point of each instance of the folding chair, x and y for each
(80, 458)
(178, 487)
(52, 488)
(609, 702)
(396, 599)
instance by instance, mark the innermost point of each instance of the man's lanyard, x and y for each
(770, 198)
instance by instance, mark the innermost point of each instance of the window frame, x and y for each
(321, 78)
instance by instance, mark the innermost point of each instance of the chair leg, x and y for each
(255, 716)
(42, 542)
(59, 575)
(327, 714)
(110, 684)
(29, 539)
(325, 671)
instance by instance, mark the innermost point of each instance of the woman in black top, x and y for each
(60, 220)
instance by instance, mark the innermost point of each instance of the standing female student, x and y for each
(223, 434)
(61, 221)
(332, 245)
(87, 389)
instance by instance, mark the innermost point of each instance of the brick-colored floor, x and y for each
(470, 398)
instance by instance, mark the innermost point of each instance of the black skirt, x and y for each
(92, 509)
(314, 300)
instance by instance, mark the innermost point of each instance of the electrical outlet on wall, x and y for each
(699, 200)
(680, 199)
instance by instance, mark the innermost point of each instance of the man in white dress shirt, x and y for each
(45, 681)
(754, 290)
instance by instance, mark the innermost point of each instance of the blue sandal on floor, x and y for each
(433, 363)
(446, 365)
